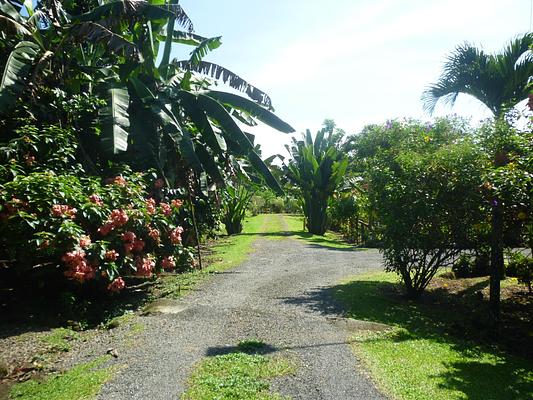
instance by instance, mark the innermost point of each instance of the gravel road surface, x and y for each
(281, 296)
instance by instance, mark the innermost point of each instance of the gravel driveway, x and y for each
(280, 296)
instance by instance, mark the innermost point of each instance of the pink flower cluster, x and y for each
(78, 267)
(168, 263)
(117, 219)
(84, 241)
(117, 285)
(150, 206)
(144, 266)
(175, 235)
(61, 210)
(117, 180)
(165, 209)
(176, 203)
(131, 243)
(111, 255)
(95, 199)
(154, 234)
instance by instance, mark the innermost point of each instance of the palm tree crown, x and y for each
(497, 80)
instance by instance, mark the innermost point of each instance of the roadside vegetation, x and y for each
(436, 349)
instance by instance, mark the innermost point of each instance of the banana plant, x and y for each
(317, 168)
(159, 115)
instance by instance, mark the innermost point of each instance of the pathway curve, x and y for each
(280, 296)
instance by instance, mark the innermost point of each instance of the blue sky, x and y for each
(357, 62)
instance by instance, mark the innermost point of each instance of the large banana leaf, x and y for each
(187, 38)
(16, 72)
(94, 32)
(125, 9)
(228, 77)
(203, 48)
(228, 125)
(11, 21)
(200, 120)
(171, 127)
(251, 108)
(115, 121)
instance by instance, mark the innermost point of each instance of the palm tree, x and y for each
(499, 81)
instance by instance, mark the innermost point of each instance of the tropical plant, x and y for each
(414, 173)
(235, 200)
(156, 116)
(499, 81)
(92, 231)
(317, 169)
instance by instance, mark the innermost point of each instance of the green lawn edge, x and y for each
(416, 359)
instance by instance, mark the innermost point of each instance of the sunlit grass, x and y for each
(417, 359)
(82, 382)
(241, 375)
(295, 228)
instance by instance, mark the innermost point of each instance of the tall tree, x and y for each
(499, 81)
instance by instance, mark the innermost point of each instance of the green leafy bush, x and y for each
(470, 266)
(521, 267)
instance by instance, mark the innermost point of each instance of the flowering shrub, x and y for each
(92, 230)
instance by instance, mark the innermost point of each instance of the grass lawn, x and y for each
(243, 374)
(82, 382)
(418, 358)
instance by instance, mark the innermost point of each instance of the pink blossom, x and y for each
(150, 206)
(175, 235)
(128, 237)
(78, 267)
(105, 229)
(159, 183)
(138, 245)
(176, 203)
(165, 209)
(85, 241)
(154, 233)
(128, 247)
(29, 159)
(118, 218)
(144, 266)
(168, 263)
(117, 180)
(111, 255)
(95, 199)
(117, 285)
(60, 210)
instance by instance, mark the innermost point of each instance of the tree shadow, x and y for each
(483, 371)
(314, 241)
(483, 380)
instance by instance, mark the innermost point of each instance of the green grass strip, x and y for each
(295, 229)
(417, 359)
(241, 375)
(82, 382)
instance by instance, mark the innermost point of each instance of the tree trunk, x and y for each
(496, 261)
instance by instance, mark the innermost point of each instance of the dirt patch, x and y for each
(468, 297)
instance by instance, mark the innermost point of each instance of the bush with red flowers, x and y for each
(93, 229)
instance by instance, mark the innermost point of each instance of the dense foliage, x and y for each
(112, 154)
